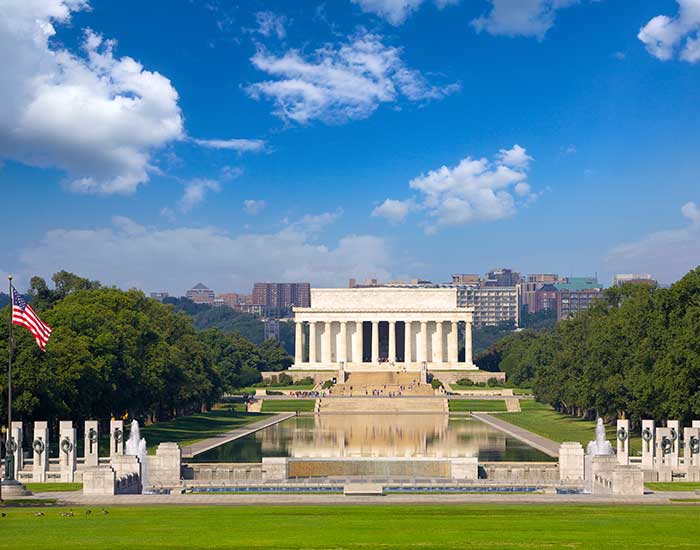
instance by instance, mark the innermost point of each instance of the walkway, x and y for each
(540, 443)
(206, 444)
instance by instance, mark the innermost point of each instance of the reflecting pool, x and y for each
(380, 436)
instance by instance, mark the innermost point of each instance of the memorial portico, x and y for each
(365, 329)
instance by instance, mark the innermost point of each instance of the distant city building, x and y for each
(352, 283)
(466, 279)
(282, 295)
(271, 329)
(634, 278)
(534, 297)
(545, 299)
(501, 277)
(570, 302)
(492, 304)
(200, 294)
(233, 300)
(160, 296)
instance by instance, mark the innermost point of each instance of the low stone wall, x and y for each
(520, 472)
(318, 376)
(164, 467)
(223, 472)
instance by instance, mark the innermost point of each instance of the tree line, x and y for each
(114, 352)
(635, 352)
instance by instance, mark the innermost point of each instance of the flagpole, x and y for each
(9, 466)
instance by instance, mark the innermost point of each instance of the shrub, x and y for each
(465, 382)
(327, 384)
(491, 382)
(435, 383)
(308, 381)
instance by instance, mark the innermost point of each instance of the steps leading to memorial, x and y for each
(381, 384)
(363, 405)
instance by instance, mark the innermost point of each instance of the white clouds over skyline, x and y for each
(474, 190)
(131, 255)
(665, 36)
(667, 254)
(341, 82)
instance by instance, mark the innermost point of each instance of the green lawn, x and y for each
(479, 405)
(189, 429)
(476, 389)
(545, 421)
(288, 405)
(300, 387)
(675, 486)
(492, 527)
(53, 487)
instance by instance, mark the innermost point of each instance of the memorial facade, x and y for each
(375, 329)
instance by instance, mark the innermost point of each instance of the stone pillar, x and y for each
(91, 452)
(439, 353)
(40, 450)
(468, 343)
(664, 450)
(343, 350)
(623, 441)
(375, 342)
(17, 435)
(571, 461)
(392, 341)
(298, 343)
(423, 342)
(407, 342)
(452, 344)
(648, 444)
(67, 450)
(695, 424)
(326, 343)
(675, 427)
(691, 452)
(116, 438)
(358, 343)
(313, 358)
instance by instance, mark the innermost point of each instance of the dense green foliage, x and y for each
(636, 351)
(114, 352)
(436, 527)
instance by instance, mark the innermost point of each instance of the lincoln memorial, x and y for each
(379, 329)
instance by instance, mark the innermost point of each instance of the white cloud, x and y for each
(254, 207)
(270, 24)
(393, 210)
(194, 193)
(342, 82)
(97, 116)
(664, 36)
(239, 145)
(521, 17)
(175, 259)
(229, 173)
(396, 11)
(474, 190)
(668, 255)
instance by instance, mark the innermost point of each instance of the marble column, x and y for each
(452, 345)
(312, 342)
(423, 342)
(298, 344)
(392, 341)
(407, 342)
(343, 351)
(468, 343)
(439, 354)
(326, 342)
(375, 341)
(358, 343)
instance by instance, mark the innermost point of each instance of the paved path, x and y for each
(206, 444)
(540, 443)
(77, 499)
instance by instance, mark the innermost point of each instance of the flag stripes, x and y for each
(23, 315)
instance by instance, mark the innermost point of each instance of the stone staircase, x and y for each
(381, 384)
(382, 405)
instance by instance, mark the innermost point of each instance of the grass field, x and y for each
(288, 405)
(545, 421)
(675, 486)
(476, 389)
(189, 429)
(479, 405)
(53, 487)
(300, 387)
(358, 527)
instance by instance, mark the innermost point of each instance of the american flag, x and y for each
(24, 316)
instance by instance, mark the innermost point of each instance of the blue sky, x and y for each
(156, 144)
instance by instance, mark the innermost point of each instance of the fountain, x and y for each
(599, 447)
(136, 446)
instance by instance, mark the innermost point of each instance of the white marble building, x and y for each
(367, 329)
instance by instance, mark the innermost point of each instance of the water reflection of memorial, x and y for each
(376, 436)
